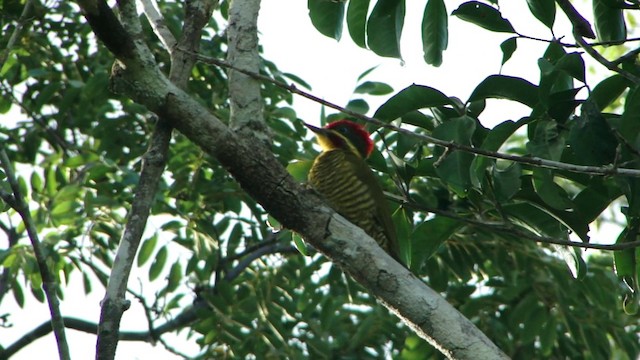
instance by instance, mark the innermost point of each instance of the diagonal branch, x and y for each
(159, 26)
(49, 283)
(114, 303)
(264, 178)
(606, 63)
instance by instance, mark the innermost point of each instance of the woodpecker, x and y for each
(341, 174)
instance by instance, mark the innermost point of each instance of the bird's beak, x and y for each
(323, 136)
(316, 130)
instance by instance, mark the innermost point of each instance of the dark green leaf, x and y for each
(609, 22)
(484, 16)
(492, 142)
(507, 182)
(414, 97)
(591, 138)
(327, 17)
(508, 47)
(572, 64)
(357, 21)
(454, 167)
(384, 27)
(608, 90)
(428, 236)
(550, 192)
(435, 31)
(235, 237)
(546, 140)
(506, 87)
(630, 122)
(543, 10)
(550, 220)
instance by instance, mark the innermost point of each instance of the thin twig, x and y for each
(49, 284)
(508, 228)
(606, 63)
(22, 20)
(535, 161)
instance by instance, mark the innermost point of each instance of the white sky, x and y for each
(332, 68)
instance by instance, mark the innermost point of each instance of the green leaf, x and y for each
(384, 27)
(548, 336)
(435, 31)
(507, 182)
(5, 105)
(546, 140)
(158, 263)
(404, 227)
(454, 168)
(146, 249)
(508, 47)
(609, 22)
(18, 293)
(591, 138)
(484, 16)
(175, 276)
(543, 10)
(427, 237)
(234, 239)
(86, 283)
(630, 122)
(550, 192)
(357, 21)
(506, 87)
(373, 88)
(37, 185)
(572, 64)
(358, 105)
(608, 90)
(411, 98)
(552, 221)
(492, 142)
(300, 169)
(625, 260)
(327, 17)
(300, 244)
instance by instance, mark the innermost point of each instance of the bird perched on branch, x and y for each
(341, 174)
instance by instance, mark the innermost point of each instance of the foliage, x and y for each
(468, 220)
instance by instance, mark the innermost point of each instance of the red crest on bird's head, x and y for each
(357, 135)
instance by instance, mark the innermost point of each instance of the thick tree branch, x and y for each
(244, 90)
(49, 283)
(197, 14)
(114, 303)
